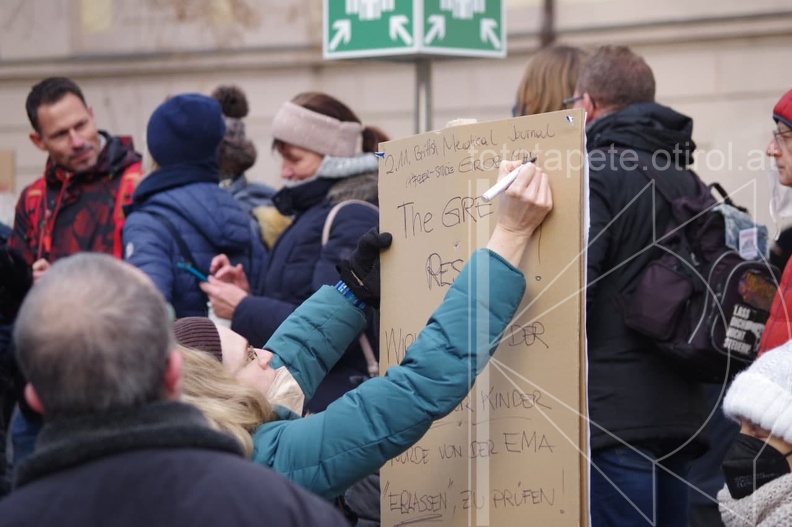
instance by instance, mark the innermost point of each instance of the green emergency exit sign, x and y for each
(381, 28)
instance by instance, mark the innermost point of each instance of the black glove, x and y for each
(361, 271)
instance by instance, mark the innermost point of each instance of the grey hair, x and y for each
(94, 335)
(616, 77)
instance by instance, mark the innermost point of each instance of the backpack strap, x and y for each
(186, 255)
(725, 196)
(372, 364)
(35, 202)
(365, 344)
(647, 170)
(35, 208)
(126, 188)
(665, 188)
(662, 186)
(328, 224)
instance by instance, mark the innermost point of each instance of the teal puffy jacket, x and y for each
(329, 451)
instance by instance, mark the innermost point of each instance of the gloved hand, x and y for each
(361, 271)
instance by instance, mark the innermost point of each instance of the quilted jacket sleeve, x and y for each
(314, 337)
(148, 246)
(328, 451)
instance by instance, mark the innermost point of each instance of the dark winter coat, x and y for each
(633, 393)
(158, 465)
(206, 217)
(299, 265)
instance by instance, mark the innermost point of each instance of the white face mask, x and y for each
(780, 201)
(285, 391)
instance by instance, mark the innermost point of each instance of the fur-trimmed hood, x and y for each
(364, 186)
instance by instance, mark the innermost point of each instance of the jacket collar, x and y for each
(66, 443)
(294, 200)
(118, 153)
(348, 177)
(650, 127)
(173, 176)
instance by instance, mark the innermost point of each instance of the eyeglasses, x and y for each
(569, 101)
(782, 138)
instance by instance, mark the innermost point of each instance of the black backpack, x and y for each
(703, 304)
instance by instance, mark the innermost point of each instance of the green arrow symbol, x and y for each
(343, 32)
(397, 29)
(487, 32)
(437, 29)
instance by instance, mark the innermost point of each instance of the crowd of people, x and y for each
(209, 341)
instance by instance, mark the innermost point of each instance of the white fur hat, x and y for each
(762, 394)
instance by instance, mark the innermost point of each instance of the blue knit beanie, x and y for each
(186, 128)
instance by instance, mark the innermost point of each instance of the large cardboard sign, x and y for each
(513, 453)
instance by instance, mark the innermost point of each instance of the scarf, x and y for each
(769, 506)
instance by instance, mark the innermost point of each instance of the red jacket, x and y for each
(62, 213)
(778, 328)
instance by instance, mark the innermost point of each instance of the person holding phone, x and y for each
(179, 217)
(327, 160)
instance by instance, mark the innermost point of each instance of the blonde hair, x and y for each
(228, 405)
(550, 77)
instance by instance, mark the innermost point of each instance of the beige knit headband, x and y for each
(314, 131)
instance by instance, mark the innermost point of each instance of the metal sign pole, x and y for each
(423, 95)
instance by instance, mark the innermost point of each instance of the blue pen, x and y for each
(192, 270)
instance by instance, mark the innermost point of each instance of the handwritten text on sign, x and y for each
(508, 454)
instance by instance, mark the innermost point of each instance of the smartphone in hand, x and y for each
(192, 270)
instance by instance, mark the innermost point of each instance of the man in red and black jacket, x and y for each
(77, 203)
